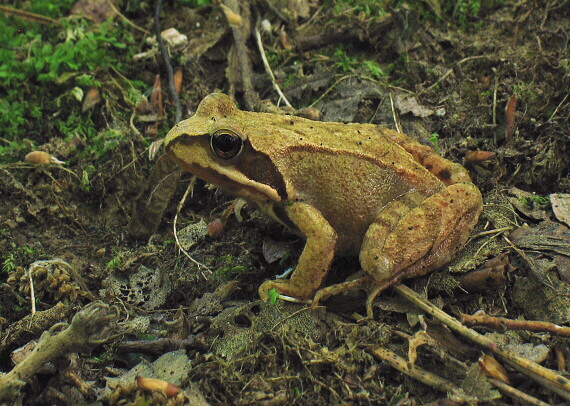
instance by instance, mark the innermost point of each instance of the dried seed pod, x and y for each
(478, 156)
(178, 80)
(232, 17)
(215, 228)
(41, 158)
(491, 367)
(150, 384)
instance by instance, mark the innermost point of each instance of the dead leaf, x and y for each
(561, 206)
(409, 104)
(94, 10)
(151, 203)
(144, 107)
(343, 104)
(299, 8)
(274, 250)
(548, 237)
(199, 46)
(190, 235)
(490, 275)
(527, 203)
(154, 148)
(563, 264)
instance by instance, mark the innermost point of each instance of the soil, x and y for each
(489, 91)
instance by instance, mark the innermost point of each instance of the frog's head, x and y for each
(213, 145)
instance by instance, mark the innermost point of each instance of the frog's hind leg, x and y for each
(424, 239)
(338, 288)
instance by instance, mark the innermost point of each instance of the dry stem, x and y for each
(502, 324)
(540, 374)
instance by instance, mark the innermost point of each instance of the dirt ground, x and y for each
(487, 89)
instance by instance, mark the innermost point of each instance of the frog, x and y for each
(348, 189)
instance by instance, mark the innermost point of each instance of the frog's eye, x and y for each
(226, 144)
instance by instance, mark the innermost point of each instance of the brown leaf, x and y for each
(151, 203)
(490, 275)
(510, 119)
(144, 107)
(561, 206)
(285, 41)
(416, 341)
(274, 250)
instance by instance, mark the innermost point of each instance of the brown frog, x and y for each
(348, 189)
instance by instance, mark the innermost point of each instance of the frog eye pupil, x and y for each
(226, 144)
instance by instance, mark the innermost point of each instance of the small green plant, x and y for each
(9, 263)
(530, 201)
(227, 269)
(63, 59)
(347, 63)
(273, 295)
(195, 3)
(115, 262)
(434, 140)
(370, 8)
(17, 255)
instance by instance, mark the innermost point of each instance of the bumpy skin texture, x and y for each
(349, 189)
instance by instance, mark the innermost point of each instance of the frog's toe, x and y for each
(283, 287)
(264, 290)
(377, 265)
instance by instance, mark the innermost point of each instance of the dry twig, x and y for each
(180, 204)
(546, 377)
(417, 373)
(167, 64)
(450, 71)
(502, 324)
(268, 68)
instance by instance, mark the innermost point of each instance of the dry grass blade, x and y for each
(25, 15)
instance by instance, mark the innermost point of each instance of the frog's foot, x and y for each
(338, 288)
(284, 287)
(378, 288)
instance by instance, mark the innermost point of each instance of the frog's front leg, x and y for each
(316, 258)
